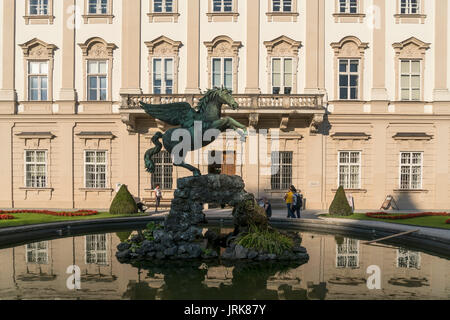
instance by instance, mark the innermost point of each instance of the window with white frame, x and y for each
(38, 80)
(347, 254)
(95, 164)
(163, 76)
(96, 249)
(282, 5)
(348, 79)
(348, 6)
(98, 6)
(38, 7)
(411, 170)
(349, 167)
(410, 79)
(36, 168)
(97, 80)
(37, 252)
(282, 75)
(222, 73)
(222, 5)
(408, 259)
(409, 7)
(163, 171)
(281, 171)
(162, 5)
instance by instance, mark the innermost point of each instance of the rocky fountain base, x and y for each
(182, 237)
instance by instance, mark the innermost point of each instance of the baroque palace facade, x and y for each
(358, 90)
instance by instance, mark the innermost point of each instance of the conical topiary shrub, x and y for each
(340, 206)
(123, 202)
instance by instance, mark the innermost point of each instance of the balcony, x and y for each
(253, 107)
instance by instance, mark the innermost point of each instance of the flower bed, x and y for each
(79, 213)
(6, 217)
(385, 215)
(448, 221)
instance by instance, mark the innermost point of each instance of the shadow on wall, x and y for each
(409, 201)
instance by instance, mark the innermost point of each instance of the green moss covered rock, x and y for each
(123, 202)
(340, 206)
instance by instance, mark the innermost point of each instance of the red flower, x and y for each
(385, 215)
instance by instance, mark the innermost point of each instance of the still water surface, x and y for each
(336, 270)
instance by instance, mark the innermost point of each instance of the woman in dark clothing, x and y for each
(267, 208)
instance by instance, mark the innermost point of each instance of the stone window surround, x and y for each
(281, 16)
(92, 143)
(162, 16)
(410, 18)
(282, 47)
(360, 166)
(97, 49)
(38, 50)
(98, 18)
(32, 141)
(222, 16)
(223, 47)
(163, 47)
(349, 17)
(349, 47)
(39, 19)
(410, 49)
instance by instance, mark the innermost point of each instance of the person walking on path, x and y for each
(289, 198)
(158, 197)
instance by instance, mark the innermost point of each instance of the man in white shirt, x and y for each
(158, 197)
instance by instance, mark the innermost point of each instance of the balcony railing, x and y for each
(245, 101)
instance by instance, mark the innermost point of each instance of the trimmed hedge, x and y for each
(123, 202)
(340, 206)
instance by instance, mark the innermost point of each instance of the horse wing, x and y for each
(171, 113)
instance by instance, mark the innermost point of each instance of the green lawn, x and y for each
(33, 218)
(432, 222)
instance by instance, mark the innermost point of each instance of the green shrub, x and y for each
(123, 236)
(340, 206)
(123, 202)
(269, 241)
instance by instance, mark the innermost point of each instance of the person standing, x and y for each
(297, 203)
(289, 198)
(158, 197)
(268, 208)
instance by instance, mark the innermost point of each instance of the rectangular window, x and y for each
(349, 166)
(162, 5)
(222, 73)
(281, 75)
(97, 80)
(281, 170)
(409, 6)
(163, 171)
(37, 252)
(162, 76)
(38, 80)
(95, 166)
(98, 6)
(411, 170)
(36, 168)
(348, 6)
(347, 254)
(96, 249)
(408, 259)
(38, 7)
(410, 80)
(222, 5)
(348, 79)
(282, 5)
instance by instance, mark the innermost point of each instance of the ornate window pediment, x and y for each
(349, 47)
(97, 48)
(411, 48)
(37, 49)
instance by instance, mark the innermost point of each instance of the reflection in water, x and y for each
(336, 270)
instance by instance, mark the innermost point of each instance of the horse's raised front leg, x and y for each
(229, 123)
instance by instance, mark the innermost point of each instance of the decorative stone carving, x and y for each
(253, 119)
(316, 123)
